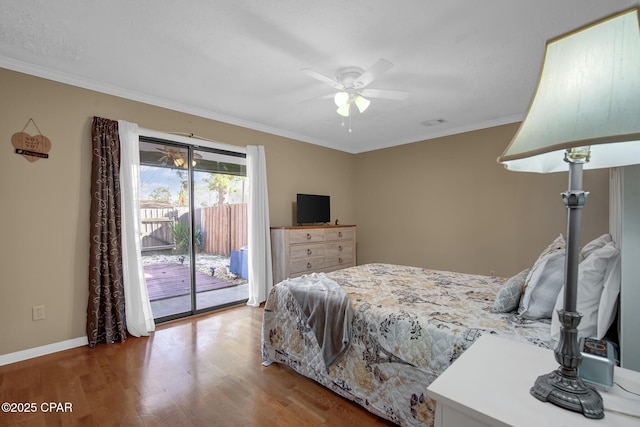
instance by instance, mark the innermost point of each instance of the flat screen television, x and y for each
(313, 208)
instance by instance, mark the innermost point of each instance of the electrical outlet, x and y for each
(38, 312)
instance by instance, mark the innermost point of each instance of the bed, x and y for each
(409, 324)
(406, 325)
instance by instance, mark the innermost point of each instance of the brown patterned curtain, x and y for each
(105, 311)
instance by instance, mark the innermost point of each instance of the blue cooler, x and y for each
(235, 262)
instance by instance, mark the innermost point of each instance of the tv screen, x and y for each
(313, 208)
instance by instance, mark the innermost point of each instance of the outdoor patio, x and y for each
(216, 298)
(173, 280)
(168, 283)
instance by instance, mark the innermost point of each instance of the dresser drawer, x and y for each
(345, 233)
(338, 249)
(311, 250)
(339, 261)
(306, 265)
(306, 235)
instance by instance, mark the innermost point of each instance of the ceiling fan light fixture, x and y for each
(344, 110)
(179, 161)
(362, 103)
(341, 99)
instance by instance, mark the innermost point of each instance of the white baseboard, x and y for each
(30, 353)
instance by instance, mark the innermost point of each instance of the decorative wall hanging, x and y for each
(31, 147)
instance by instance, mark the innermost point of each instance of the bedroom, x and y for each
(395, 196)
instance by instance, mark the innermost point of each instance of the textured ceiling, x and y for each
(472, 63)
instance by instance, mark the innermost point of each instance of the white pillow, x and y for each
(544, 282)
(596, 243)
(591, 275)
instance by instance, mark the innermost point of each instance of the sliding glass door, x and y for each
(194, 227)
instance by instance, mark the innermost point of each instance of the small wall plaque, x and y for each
(31, 147)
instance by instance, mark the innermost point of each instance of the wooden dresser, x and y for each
(307, 249)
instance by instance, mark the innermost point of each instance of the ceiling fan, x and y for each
(352, 82)
(177, 157)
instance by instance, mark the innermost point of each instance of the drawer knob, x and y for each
(309, 252)
(339, 260)
(339, 233)
(308, 265)
(340, 248)
(308, 236)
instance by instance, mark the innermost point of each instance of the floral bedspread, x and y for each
(409, 325)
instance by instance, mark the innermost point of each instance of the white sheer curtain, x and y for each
(137, 305)
(259, 264)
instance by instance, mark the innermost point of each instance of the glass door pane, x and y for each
(166, 228)
(220, 225)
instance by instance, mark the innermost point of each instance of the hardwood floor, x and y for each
(201, 371)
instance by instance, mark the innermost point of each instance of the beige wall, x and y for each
(44, 224)
(442, 204)
(447, 204)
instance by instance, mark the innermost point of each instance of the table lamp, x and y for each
(585, 114)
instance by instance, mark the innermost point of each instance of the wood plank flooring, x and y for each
(200, 371)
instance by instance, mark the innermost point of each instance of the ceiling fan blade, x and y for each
(316, 75)
(372, 73)
(398, 95)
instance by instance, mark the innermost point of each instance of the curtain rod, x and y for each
(191, 135)
(186, 137)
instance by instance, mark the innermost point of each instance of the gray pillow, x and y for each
(544, 282)
(508, 296)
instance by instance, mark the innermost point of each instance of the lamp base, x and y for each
(568, 392)
(563, 387)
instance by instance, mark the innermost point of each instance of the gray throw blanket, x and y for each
(328, 312)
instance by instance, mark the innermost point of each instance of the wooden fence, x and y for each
(156, 228)
(224, 228)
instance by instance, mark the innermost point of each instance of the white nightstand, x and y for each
(489, 386)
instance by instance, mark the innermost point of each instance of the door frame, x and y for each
(191, 142)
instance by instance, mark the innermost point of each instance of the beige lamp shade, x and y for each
(588, 95)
